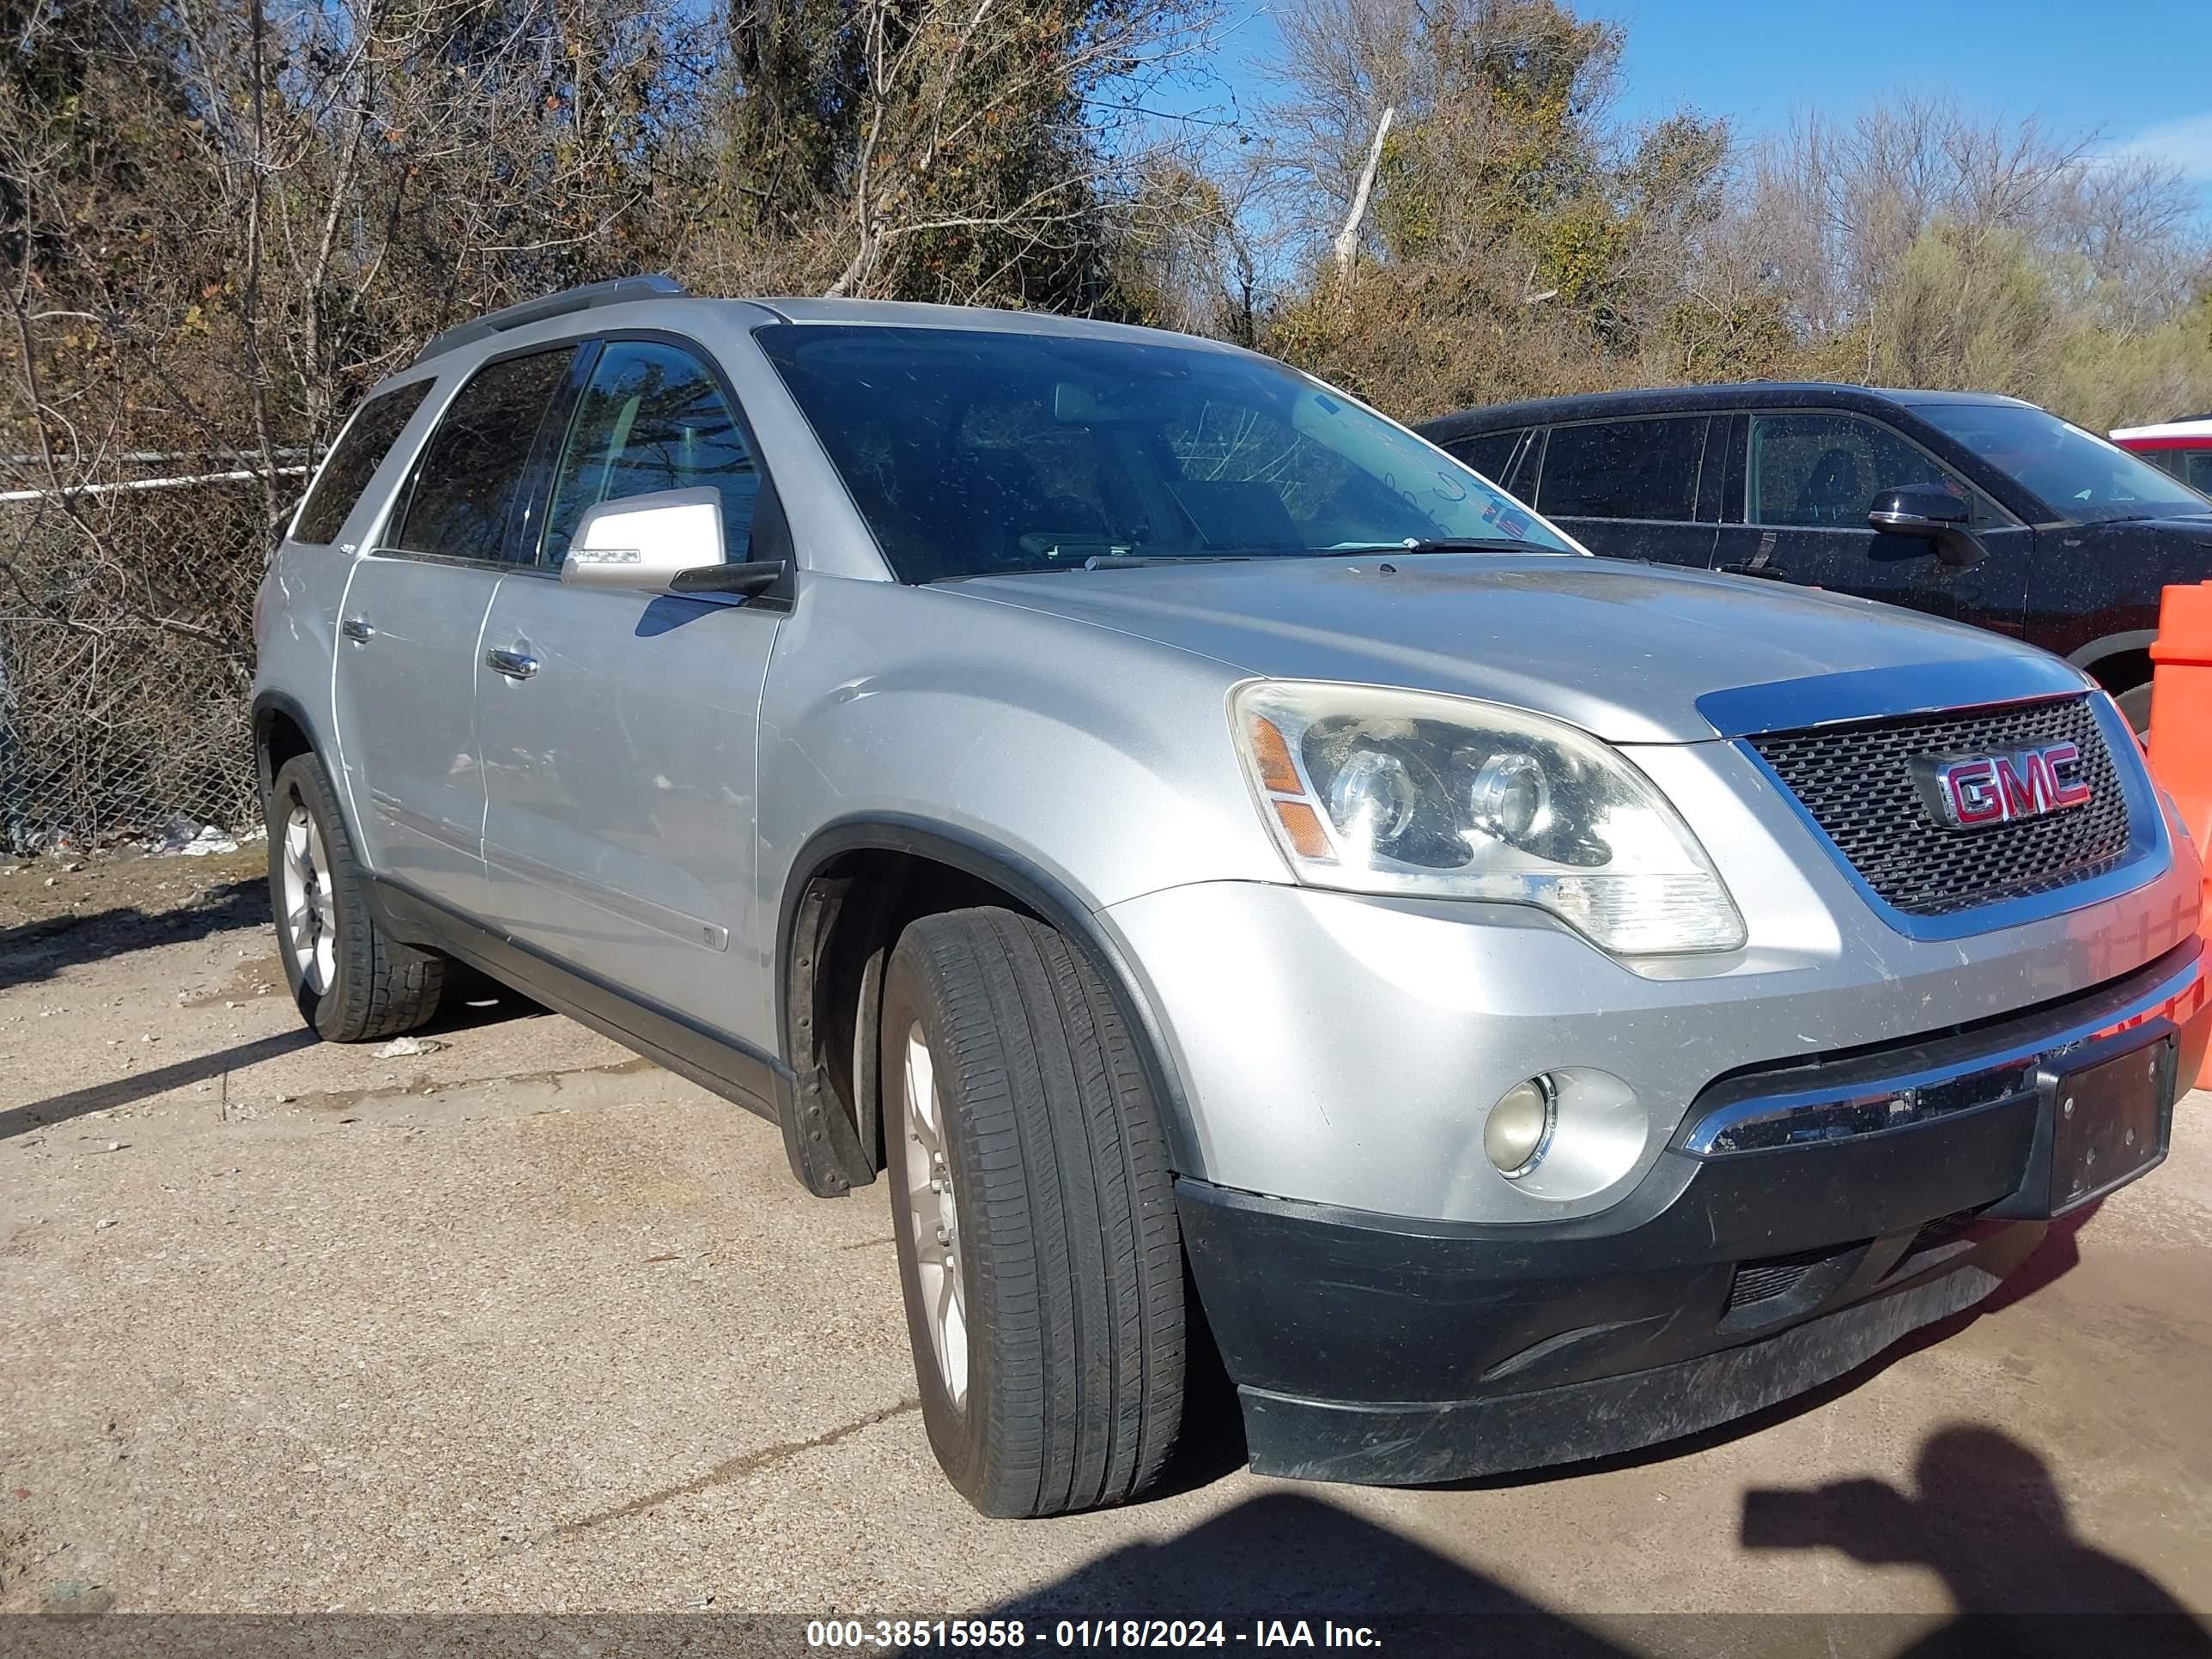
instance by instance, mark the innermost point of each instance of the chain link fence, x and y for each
(127, 664)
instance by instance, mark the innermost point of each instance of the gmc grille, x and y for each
(1857, 781)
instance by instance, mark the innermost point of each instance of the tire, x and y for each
(2134, 705)
(1066, 1260)
(352, 980)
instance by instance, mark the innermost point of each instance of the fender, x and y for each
(1037, 888)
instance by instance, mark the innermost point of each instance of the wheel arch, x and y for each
(282, 730)
(2131, 647)
(854, 885)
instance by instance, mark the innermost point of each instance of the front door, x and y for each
(1807, 479)
(618, 740)
(413, 613)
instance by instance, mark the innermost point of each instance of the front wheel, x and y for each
(1037, 1243)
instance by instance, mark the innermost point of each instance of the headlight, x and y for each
(1378, 791)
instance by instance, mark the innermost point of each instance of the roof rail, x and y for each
(621, 291)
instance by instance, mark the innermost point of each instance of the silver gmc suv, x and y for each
(1234, 872)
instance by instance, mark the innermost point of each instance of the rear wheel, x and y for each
(1037, 1244)
(352, 980)
(2134, 705)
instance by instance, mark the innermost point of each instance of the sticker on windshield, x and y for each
(1509, 521)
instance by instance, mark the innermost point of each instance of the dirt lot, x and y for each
(526, 1323)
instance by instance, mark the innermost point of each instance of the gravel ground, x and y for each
(527, 1324)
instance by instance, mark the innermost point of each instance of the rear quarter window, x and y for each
(1490, 453)
(362, 447)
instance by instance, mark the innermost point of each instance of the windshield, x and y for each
(2077, 473)
(973, 452)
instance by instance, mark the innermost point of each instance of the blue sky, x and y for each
(2137, 72)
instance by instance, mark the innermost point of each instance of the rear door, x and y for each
(1800, 489)
(621, 817)
(409, 626)
(1629, 488)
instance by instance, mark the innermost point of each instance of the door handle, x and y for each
(357, 629)
(515, 665)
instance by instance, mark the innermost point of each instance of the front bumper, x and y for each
(1386, 1350)
(1345, 1050)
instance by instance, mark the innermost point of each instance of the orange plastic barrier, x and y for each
(2181, 723)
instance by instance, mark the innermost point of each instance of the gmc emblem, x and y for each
(1973, 792)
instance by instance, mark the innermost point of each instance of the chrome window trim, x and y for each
(1596, 518)
(1706, 1136)
(409, 555)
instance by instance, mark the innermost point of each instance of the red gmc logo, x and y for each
(1972, 792)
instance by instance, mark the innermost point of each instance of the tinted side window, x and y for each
(652, 419)
(1624, 469)
(1490, 453)
(2196, 469)
(362, 447)
(467, 478)
(1824, 470)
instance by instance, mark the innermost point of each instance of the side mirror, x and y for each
(668, 541)
(1932, 513)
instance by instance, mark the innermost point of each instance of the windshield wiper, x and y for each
(1449, 544)
(1133, 561)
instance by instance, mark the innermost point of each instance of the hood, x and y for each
(1622, 650)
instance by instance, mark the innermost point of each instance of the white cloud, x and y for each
(2185, 144)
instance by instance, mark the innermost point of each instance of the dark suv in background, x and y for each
(1980, 508)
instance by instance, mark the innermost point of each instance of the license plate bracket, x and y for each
(2110, 1121)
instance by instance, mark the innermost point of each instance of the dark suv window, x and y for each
(1490, 453)
(362, 447)
(1823, 471)
(1643, 469)
(652, 419)
(474, 462)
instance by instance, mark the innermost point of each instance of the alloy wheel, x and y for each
(311, 919)
(934, 1219)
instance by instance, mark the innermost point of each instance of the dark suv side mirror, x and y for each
(1932, 513)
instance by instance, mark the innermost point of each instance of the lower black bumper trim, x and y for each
(1382, 1445)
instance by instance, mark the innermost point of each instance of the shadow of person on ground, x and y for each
(1287, 1556)
(1987, 1518)
(39, 949)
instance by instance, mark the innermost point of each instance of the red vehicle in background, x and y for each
(2182, 447)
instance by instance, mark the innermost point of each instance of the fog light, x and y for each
(1519, 1128)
